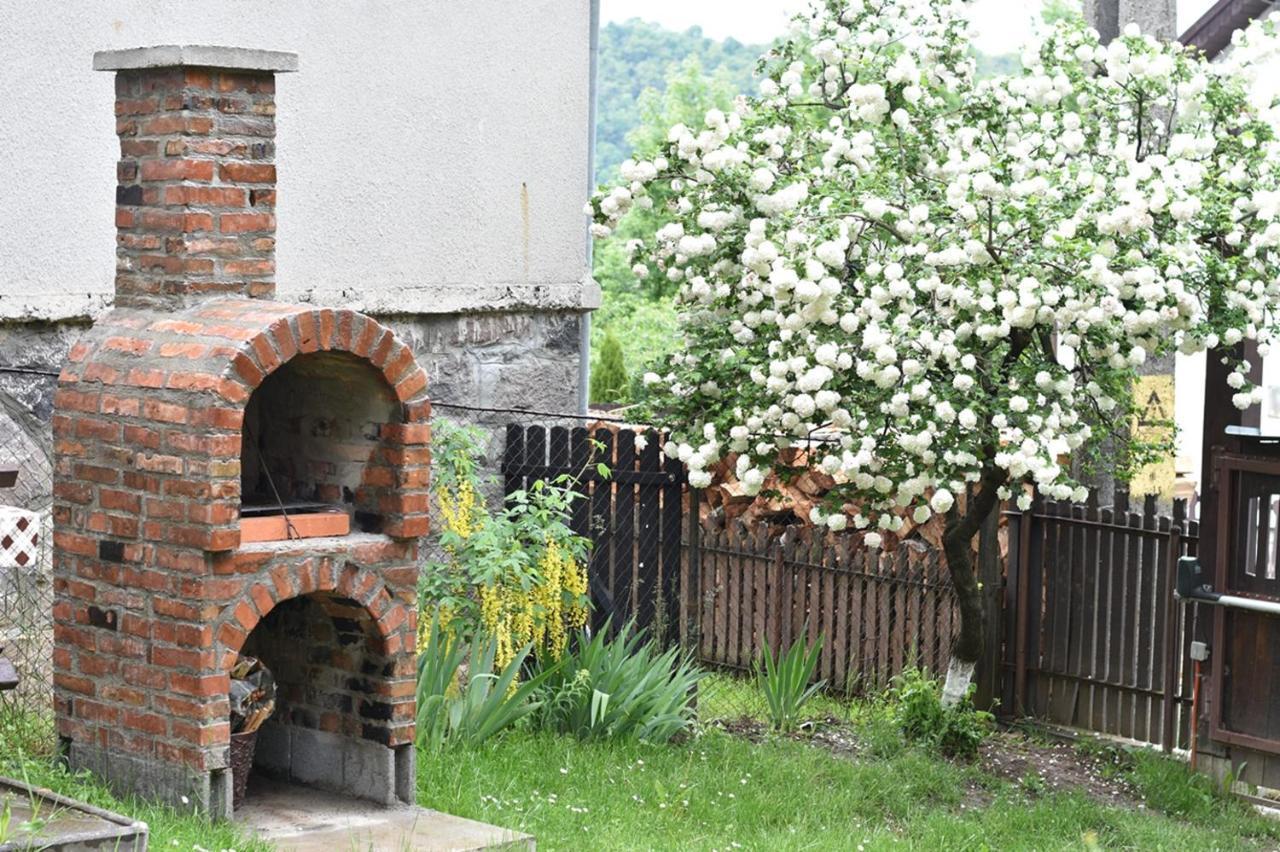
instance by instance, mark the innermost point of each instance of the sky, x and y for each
(1000, 26)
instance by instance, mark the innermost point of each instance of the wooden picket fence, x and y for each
(1094, 636)
(1082, 626)
(878, 613)
(633, 516)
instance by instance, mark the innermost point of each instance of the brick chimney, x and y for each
(195, 204)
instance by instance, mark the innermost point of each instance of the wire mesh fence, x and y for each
(26, 565)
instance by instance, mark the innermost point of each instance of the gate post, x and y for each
(691, 594)
(1172, 647)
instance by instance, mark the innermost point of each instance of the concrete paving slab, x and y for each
(303, 819)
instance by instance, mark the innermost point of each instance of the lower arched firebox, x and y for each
(327, 729)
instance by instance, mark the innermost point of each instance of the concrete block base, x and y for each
(360, 768)
(126, 774)
(304, 819)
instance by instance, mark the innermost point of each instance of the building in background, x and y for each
(433, 161)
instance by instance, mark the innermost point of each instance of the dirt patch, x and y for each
(1037, 767)
(1042, 766)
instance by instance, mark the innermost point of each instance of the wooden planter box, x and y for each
(62, 824)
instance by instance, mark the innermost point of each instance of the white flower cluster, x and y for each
(953, 280)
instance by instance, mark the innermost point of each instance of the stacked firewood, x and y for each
(787, 497)
(253, 695)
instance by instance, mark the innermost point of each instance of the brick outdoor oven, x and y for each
(196, 405)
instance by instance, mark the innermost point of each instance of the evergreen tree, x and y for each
(609, 376)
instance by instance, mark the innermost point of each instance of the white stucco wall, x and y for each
(433, 155)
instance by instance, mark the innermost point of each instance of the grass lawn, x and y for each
(24, 755)
(721, 791)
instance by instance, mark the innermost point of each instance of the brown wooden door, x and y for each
(1247, 657)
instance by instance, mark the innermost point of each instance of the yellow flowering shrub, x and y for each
(518, 574)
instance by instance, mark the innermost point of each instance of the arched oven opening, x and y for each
(311, 460)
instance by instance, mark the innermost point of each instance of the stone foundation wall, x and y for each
(514, 359)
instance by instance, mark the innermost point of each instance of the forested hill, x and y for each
(635, 56)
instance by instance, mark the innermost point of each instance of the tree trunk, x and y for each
(957, 539)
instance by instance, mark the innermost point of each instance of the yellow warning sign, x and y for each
(1153, 421)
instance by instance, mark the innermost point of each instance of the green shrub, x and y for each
(956, 731)
(609, 378)
(785, 681)
(618, 688)
(471, 707)
(518, 574)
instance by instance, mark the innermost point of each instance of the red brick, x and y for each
(398, 363)
(411, 385)
(286, 345)
(177, 222)
(94, 711)
(246, 615)
(183, 635)
(123, 406)
(165, 412)
(135, 106)
(328, 325)
(249, 267)
(96, 473)
(417, 411)
(99, 372)
(406, 433)
(392, 620)
(234, 172)
(140, 436)
(192, 382)
(232, 636)
(124, 695)
(182, 610)
(147, 723)
(65, 399)
(99, 430)
(410, 527)
(262, 598)
(282, 577)
(178, 169)
(81, 685)
(202, 735)
(368, 337)
(343, 334)
(181, 658)
(379, 352)
(239, 223)
(123, 501)
(144, 378)
(206, 196)
(159, 463)
(73, 492)
(189, 351)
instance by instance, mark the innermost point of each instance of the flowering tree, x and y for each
(952, 281)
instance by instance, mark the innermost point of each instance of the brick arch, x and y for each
(391, 618)
(161, 397)
(396, 487)
(388, 620)
(303, 331)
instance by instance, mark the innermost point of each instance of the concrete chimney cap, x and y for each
(195, 56)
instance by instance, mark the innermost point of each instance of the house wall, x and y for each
(433, 161)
